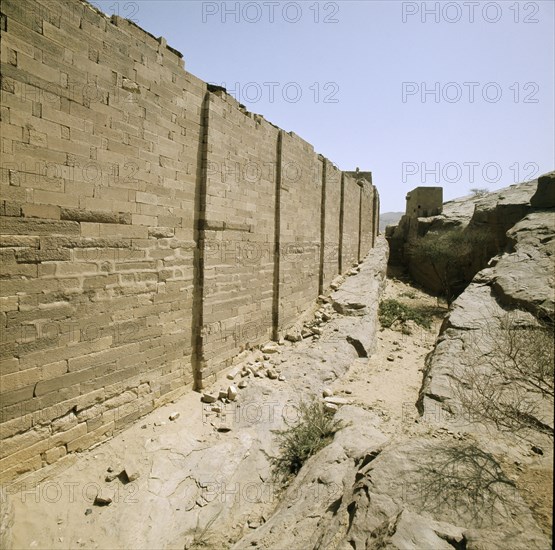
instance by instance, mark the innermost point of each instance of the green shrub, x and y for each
(391, 310)
(313, 430)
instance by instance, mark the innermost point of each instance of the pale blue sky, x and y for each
(362, 61)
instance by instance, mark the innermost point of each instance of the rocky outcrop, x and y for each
(520, 278)
(357, 300)
(483, 220)
(364, 491)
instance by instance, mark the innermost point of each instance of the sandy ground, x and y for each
(389, 381)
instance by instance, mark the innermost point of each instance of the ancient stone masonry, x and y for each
(152, 228)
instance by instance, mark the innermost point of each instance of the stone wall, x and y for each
(151, 228)
(424, 201)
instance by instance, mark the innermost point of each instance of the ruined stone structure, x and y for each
(151, 228)
(424, 201)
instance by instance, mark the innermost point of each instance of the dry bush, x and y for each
(508, 374)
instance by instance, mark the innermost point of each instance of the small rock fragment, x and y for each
(390, 358)
(242, 385)
(271, 374)
(270, 347)
(174, 416)
(101, 501)
(131, 471)
(294, 335)
(281, 378)
(88, 511)
(327, 392)
(337, 400)
(222, 394)
(330, 407)
(233, 373)
(208, 398)
(232, 393)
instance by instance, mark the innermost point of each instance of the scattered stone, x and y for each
(217, 408)
(101, 501)
(158, 423)
(331, 407)
(110, 469)
(242, 385)
(110, 477)
(174, 416)
(131, 472)
(306, 332)
(390, 358)
(270, 347)
(537, 450)
(222, 394)
(281, 378)
(254, 523)
(326, 317)
(337, 400)
(327, 392)
(294, 335)
(208, 398)
(233, 373)
(317, 330)
(232, 393)
(348, 392)
(271, 374)
(88, 511)
(143, 427)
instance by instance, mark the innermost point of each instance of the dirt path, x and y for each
(388, 382)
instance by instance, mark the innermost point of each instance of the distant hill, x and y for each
(389, 218)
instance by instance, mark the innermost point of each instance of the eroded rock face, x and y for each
(521, 279)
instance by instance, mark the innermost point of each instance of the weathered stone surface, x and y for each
(364, 492)
(544, 197)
